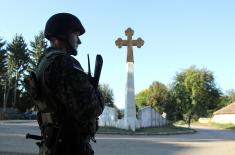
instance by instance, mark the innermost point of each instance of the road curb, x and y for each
(191, 131)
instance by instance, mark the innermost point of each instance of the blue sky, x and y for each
(177, 34)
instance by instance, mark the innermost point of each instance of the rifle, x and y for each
(98, 67)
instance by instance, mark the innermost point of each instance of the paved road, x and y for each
(12, 137)
(204, 142)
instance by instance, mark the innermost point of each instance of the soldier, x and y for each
(68, 104)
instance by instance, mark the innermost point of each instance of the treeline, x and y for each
(16, 60)
(192, 94)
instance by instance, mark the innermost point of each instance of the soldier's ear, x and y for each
(55, 42)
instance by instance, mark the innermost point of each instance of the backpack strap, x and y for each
(47, 96)
(44, 62)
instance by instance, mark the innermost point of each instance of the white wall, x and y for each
(150, 118)
(224, 118)
(108, 117)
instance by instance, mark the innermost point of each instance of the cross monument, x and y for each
(130, 109)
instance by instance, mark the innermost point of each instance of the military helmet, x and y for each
(61, 24)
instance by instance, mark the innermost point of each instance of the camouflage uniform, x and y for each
(69, 105)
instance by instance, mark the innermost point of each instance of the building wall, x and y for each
(224, 118)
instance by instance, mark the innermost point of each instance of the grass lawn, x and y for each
(151, 130)
(215, 125)
(170, 128)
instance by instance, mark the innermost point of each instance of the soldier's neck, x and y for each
(59, 45)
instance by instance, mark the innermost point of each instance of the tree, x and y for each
(173, 108)
(196, 93)
(157, 96)
(3, 70)
(18, 59)
(231, 95)
(38, 46)
(107, 94)
(25, 102)
(226, 99)
(3, 60)
(141, 98)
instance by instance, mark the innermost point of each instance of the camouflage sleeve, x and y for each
(72, 87)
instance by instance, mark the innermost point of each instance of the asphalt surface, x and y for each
(204, 142)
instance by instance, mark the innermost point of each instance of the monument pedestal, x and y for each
(130, 109)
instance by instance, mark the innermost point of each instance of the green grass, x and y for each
(224, 126)
(216, 125)
(153, 130)
(169, 128)
(112, 129)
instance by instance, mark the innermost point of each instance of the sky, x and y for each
(177, 35)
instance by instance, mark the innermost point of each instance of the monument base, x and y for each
(121, 124)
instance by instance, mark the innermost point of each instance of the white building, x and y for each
(225, 115)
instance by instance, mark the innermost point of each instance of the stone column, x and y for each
(130, 109)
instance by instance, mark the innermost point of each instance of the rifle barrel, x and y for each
(36, 137)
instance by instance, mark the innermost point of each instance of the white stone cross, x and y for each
(130, 109)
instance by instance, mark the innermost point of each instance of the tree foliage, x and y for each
(18, 52)
(107, 94)
(155, 96)
(231, 96)
(38, 46)
(227, 98)
(3, 60)
(141, 99)
(18, 58)
(3, 69)
(195, 93)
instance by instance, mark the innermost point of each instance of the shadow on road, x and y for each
(139, 145)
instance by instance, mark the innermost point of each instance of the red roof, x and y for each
(229, 109)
